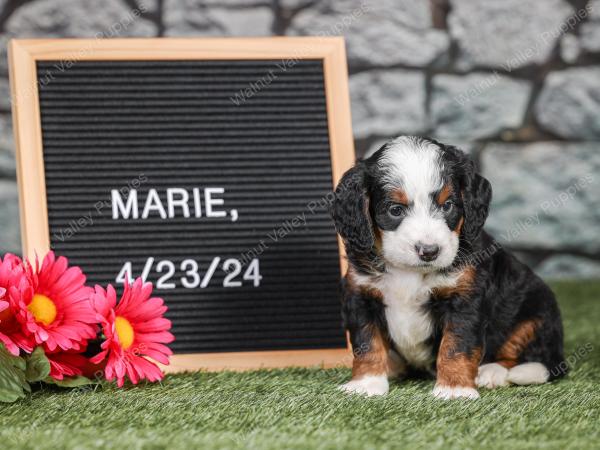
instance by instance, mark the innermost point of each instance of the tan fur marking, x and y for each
(372, 360)
(518, 340)
(460, 225)
(350, 280)
(367, 291)
(463, 286)
(371, 292)
(507, 364)
(444, 194)
(453, 368)
(378, 242)
(399, 196)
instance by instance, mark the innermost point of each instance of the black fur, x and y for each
(504, 294)
(350, 211)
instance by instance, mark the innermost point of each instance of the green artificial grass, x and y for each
(301, 408)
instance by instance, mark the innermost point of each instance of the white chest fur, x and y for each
(409, 323)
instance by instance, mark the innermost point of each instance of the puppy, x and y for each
(427, 289)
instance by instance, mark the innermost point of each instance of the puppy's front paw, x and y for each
(369, 386)
(452, 392)
(491, 376)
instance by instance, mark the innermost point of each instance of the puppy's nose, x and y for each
(427, 252)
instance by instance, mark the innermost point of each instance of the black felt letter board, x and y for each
(244, 138)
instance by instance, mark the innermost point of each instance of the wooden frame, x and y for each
(23, 55)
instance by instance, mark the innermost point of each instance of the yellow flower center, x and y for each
(43, 309)
(124, 332)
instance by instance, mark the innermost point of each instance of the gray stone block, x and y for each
(507, 34)
(4, 40)
(10, 240)
(546, 195)
(569, 104)
(477, 105)
(568, 267)
(74, 18)
(295, 4)
(388, 103)
(7, 143)
(382, 33)
(590, 36)
(5, 103)
(7, 165)
(593, 8)
(569, 48)
(195, 17)
(590, 31)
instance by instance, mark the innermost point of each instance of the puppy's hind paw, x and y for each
(454, 392)
(368, 386)
(491, 376)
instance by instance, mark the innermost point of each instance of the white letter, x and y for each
(153, 204)
(197, 206)
(130, 208)
(209, 202)
(181, 202)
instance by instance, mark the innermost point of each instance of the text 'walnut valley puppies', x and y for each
(427, 289)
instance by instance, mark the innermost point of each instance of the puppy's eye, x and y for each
(448, 206)
(396, 210)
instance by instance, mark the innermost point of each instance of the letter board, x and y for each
(203, 165)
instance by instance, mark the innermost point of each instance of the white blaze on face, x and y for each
(416, 168)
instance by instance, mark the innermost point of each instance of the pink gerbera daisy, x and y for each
(135, 330)
(14, 285)
(5, 316)
(57, 312)
(66, 364)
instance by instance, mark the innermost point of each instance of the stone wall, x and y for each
(515, 83)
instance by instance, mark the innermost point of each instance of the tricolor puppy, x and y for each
(427, 289)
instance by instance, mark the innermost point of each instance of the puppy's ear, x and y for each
(350, 212)
(477, 195)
